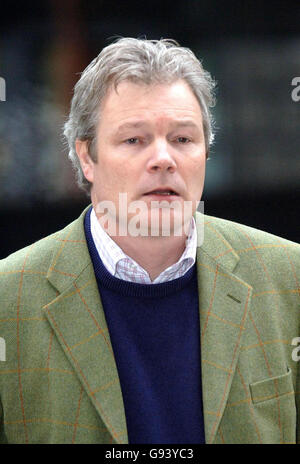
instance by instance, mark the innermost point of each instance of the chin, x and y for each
(159, 222)
(166, 223)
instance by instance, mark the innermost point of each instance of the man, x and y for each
(135, 324)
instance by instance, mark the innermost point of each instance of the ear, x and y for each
(86, 162)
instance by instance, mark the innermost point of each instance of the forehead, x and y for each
(129, 100)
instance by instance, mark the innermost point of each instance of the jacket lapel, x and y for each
(77, 318)
(224, 301)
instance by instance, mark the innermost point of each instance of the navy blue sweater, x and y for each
(155, 335)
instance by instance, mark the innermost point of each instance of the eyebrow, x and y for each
(128, 126)
(185, 123)
(139, 124)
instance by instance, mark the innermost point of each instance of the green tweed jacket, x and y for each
(58, 377)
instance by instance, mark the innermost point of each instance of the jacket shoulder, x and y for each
(38, 255)
(239, 234)
(262, 259)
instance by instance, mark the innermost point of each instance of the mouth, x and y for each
(162, 192)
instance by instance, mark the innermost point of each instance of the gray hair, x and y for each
(136, 60)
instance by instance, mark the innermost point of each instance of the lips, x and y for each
(162, 191)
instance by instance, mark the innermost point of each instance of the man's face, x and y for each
(149, 139)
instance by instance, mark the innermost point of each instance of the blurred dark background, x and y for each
(251, 48)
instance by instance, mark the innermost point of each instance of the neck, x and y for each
(154, 254)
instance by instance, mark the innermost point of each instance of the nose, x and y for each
(161, 158)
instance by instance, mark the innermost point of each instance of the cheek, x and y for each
(197, 169)
(108, 170)
(116, 175)
(196, 179)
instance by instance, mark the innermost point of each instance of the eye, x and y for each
(132, 141)
(183, 140)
